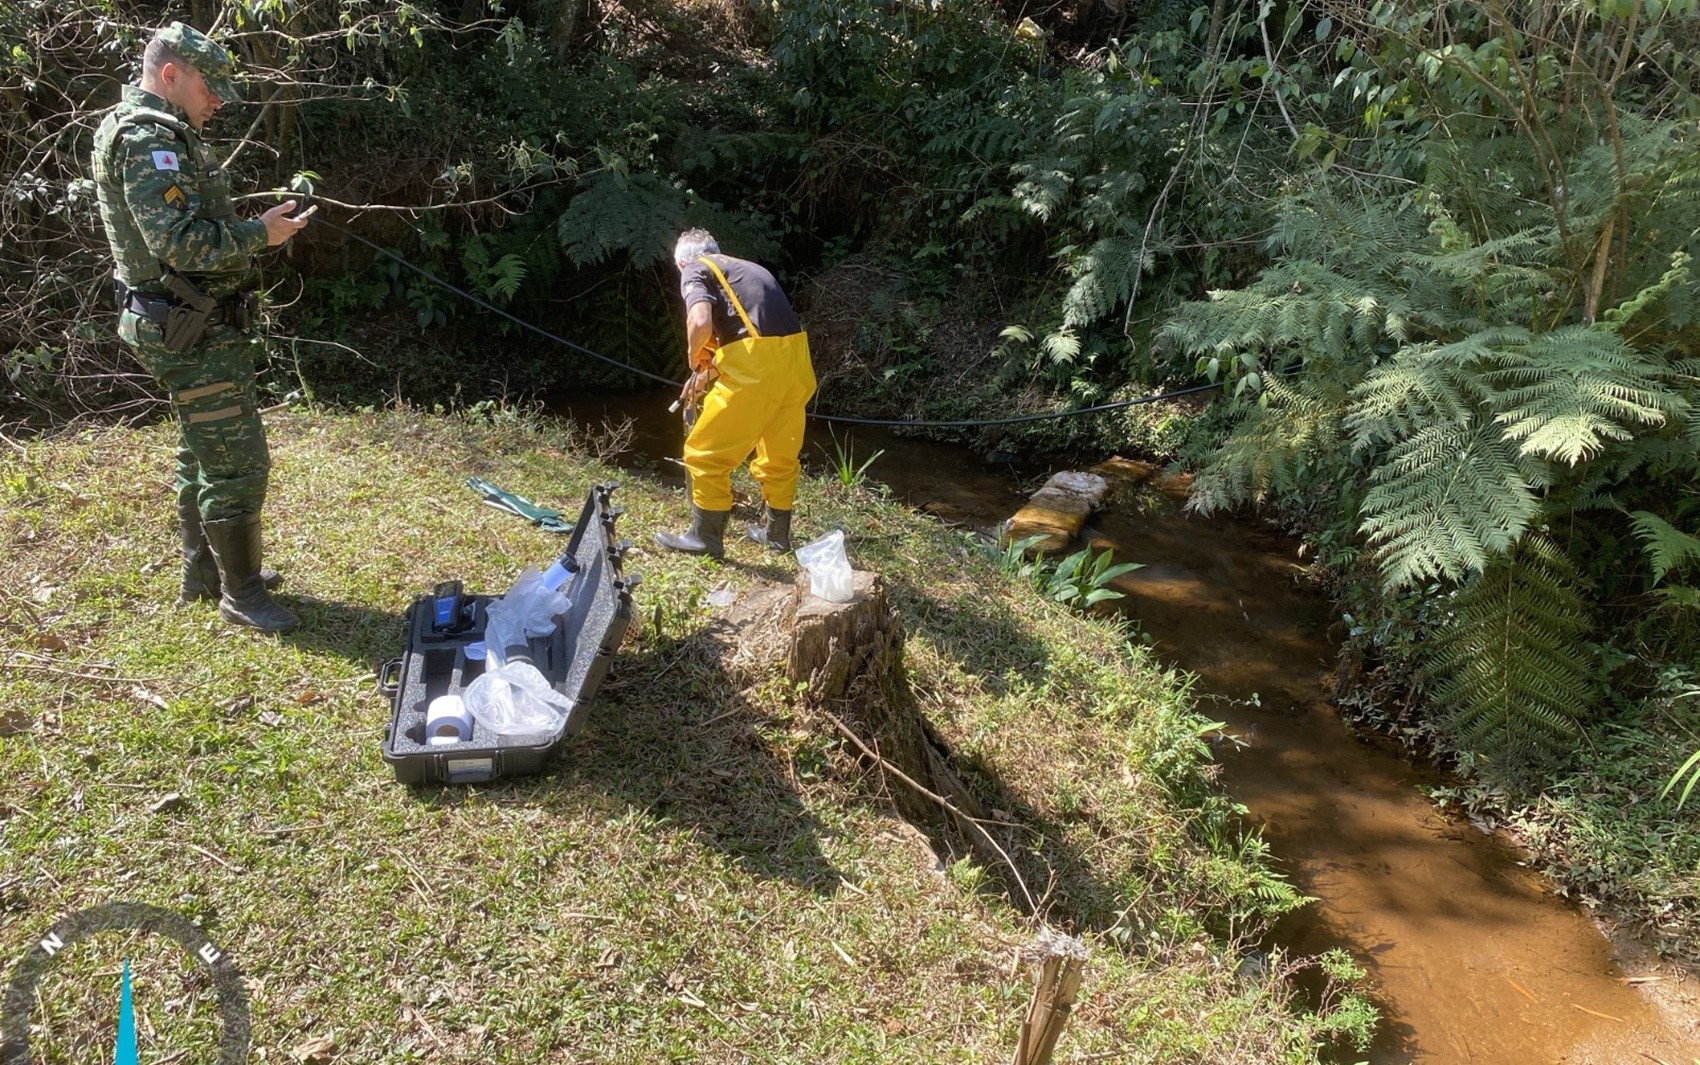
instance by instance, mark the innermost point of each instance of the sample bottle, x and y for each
(560, 574)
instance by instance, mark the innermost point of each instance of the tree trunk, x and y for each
(848, 659)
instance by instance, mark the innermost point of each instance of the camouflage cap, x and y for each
(205, 55)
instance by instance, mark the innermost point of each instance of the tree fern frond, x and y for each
(1362, 236)
(1061, 346)
(1498, 254)
(721, 150)
(639, 214)
(1511, 667)
(1449, 497)
(1284, 441)
(1568, 392)
(1680, 596)
(1042, 189)
(1426, 383)
(1104, 279)
(1667, 547)
(1302, 306)
(995, 204)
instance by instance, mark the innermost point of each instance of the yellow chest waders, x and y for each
(757, 403)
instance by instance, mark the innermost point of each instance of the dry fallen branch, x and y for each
(960, 817)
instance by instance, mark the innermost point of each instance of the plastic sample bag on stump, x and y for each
(828, 566)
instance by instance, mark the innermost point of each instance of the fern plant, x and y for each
(1511, 668)
(1668, 548)
(1387, 363)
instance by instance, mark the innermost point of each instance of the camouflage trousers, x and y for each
(222, 459)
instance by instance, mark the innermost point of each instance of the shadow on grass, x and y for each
(671, 741)
(987, 641)
(675, 738)
(357, 633)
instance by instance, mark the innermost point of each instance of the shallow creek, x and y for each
(1475, 959)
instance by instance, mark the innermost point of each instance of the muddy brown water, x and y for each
(1476, 961)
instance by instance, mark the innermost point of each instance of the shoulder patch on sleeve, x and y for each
(165, 161)
(176, 198)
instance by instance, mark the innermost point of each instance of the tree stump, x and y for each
(848, 659)
(834, 645)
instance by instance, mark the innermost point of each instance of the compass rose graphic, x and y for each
(20, 992)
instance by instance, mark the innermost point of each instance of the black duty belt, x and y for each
(236, 311)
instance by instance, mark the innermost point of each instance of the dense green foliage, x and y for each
(1488, 361)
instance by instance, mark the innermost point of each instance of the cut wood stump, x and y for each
(1060, 965)
(834, 645)
(850, 656)
(847, 658)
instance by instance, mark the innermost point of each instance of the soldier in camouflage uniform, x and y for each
(184, 273)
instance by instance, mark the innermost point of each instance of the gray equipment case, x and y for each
(574, 658)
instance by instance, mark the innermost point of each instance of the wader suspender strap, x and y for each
(733, 296)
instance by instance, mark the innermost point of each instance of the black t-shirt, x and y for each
(760, 294)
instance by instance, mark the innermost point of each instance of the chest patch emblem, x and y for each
(165, 161)
(175, 197)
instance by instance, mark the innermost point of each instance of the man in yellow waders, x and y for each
(748, 351)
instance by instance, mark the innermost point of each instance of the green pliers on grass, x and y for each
(543, 517)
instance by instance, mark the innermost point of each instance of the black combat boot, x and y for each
(776, 534)
(706, 536)
(235, 544)
(200, 570)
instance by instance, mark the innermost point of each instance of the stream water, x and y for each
(1475, 959)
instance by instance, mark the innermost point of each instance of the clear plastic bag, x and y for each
(528, 609)
(828, 566)
(516, 701)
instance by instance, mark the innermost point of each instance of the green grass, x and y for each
(704, 875)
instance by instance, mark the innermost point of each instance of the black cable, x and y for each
(521, 322)
(960, 423)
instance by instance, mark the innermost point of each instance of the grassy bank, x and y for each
(703, 876)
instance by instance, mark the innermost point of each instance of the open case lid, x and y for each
(574, 658)
(593, 626)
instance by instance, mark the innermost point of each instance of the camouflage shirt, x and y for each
(165, 202)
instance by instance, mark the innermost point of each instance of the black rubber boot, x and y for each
(706, 536)
(200, 569)
(235, 544)
(776, 534)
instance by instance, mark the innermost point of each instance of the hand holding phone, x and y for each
(281, 225)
